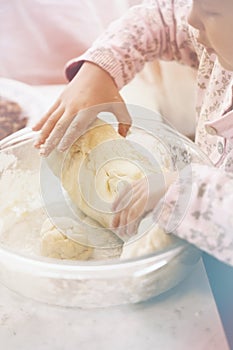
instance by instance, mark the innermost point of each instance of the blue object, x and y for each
(220, 277)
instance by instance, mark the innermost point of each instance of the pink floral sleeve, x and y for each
(154, 29)
(198, 208)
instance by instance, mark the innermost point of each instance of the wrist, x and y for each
(93, 69)
(158, 184)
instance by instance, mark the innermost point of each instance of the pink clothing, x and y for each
(159, 29)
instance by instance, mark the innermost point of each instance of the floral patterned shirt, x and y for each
(158, 29)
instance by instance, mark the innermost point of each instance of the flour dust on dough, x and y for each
(153, 240)
(55, 244)
(91, 172)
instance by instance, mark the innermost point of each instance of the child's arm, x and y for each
(156, 29)
(198, 208)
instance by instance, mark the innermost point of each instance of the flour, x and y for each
(20, 207)
(23, 215)
(7, 160)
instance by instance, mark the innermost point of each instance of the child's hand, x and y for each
(92, 86)
(135, 200)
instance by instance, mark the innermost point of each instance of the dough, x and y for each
(54, 244)
(95, 167)
(154, 240)
(91, 172)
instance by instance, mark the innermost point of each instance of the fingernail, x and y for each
(37, 143)
(43, 151)
(62, 148)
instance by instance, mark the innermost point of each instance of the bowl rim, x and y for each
(66, 265)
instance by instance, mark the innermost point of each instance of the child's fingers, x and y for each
(77, 127)
(48, 126)
(44, 119)
(120, 206)
(129, 194)
(122, 201)
(123, 117)
(115, 221)
(132, 228)
(128, 224)
(123, 206)
(57, 133)
(122, 226)
(136, 210)
(124, 196)
(134, 215)
(85, 117)
(126, 220)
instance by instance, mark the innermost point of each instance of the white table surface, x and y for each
(183, 318)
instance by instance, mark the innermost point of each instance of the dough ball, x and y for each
(91, 172)
(54, 244)
(154, 240)
(95, 166)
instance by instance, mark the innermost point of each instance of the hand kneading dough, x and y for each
(95, 166)
(91, 172)
(55, 245)
(154, 240)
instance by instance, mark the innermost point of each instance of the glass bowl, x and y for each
(82, 284)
